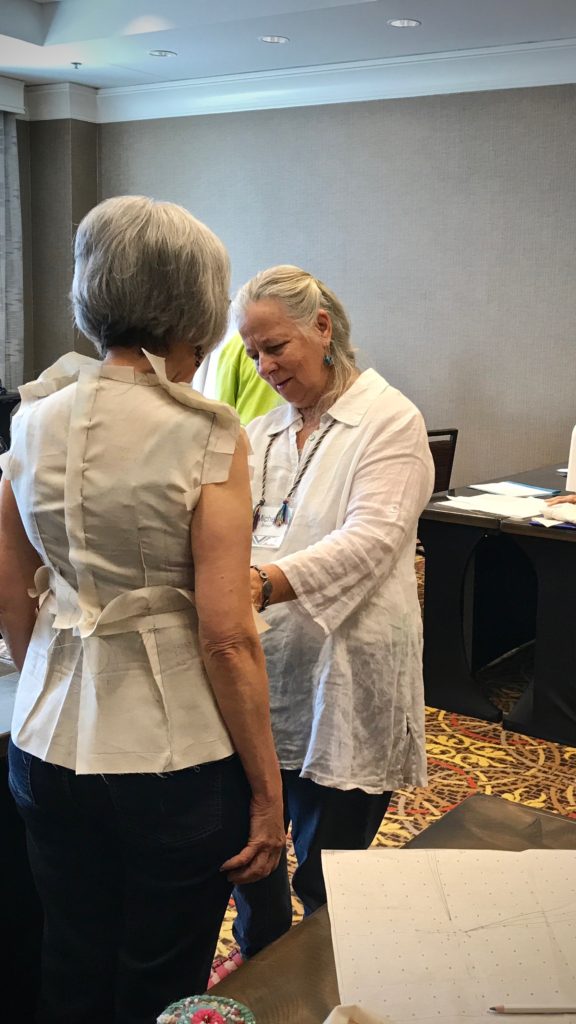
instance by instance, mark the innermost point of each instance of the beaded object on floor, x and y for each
(224, 965)
(206, 1010)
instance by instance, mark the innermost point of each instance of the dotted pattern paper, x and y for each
(442, 935)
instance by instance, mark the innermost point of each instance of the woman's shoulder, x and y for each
(388, 399)
(371, 397)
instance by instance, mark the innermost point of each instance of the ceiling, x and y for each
(111, 39)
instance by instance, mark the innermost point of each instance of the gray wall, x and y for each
(447, 225)
(23, 135)
(58, 166)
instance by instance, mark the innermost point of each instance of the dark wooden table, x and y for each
(491, 586)
(294, 979)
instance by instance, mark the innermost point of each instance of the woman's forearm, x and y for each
(16, 626)
(236, 670)
(18, 564)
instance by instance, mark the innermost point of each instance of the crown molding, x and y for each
(12, 96)
(504, 67)
(61, 100)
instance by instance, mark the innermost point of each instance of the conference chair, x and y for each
(443, 446)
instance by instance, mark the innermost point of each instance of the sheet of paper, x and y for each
(442, 935)
(512, 489)
(353, 1015)
(541, 521)
(497, 505)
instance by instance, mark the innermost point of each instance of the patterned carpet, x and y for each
(466, 756)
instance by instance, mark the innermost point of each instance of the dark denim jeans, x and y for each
(127, 868)
(322, 819)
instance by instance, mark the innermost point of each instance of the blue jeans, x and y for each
(127, 869)
(322, 819)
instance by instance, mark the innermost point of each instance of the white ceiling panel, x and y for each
(111, 39)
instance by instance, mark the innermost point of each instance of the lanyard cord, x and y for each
(282, 513)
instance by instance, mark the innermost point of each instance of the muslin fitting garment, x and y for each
(106, 465)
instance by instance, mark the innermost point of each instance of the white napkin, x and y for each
(354, 1015)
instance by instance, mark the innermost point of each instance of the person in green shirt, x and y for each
(239, 384)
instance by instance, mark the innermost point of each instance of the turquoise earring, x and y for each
(327, 360)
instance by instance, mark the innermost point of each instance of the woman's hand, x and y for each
(265, 843)
(562, 499)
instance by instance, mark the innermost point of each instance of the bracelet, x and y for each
(266, 587)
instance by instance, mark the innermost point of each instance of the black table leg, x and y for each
(448, 680)
(548, 708)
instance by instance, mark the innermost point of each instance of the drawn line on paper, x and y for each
(545, 916)
(563, 966)
(437, 879)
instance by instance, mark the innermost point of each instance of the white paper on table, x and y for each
(497, 505)
(511, 489)
(546, 522)
(353, 1015)
(442, 935)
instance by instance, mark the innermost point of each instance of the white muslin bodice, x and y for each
(106, 465)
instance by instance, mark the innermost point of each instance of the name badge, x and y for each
(267, 534)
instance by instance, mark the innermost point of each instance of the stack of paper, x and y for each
(503, 506)
(513, 489)
(443, 935)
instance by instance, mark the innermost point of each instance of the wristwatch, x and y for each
(266, 587)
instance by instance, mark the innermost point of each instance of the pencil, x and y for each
(532, 1009)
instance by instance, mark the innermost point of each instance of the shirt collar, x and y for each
(282, 418)
(350, 408)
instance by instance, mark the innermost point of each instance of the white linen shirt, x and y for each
(106, 467)
(345, 658)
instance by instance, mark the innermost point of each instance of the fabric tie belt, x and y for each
(133, 611)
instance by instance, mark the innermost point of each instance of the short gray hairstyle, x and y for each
(147, 273)
(303, 296)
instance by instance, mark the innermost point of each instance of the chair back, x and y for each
(442, 445)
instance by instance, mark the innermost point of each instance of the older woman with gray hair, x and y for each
(142, 759)
(341, 474)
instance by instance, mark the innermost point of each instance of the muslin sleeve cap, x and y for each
(52, 379)
(225, 426)
(220, 449)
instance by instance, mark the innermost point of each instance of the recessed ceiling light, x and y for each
(273, 39)
(162, 53)
(403, 23)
